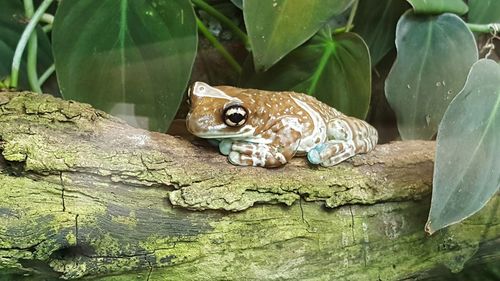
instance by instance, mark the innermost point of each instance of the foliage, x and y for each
(12, 23)
(438, 6)
(468, 135)
(312, 69)
(484, 11)
(440, 50)
(134, 58)
(375, 24)
(272, 30)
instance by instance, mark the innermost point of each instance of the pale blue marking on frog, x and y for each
(225, 146)
(314, 155)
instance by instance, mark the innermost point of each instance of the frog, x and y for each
(268, 128)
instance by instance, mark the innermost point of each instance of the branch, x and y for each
(84, 194)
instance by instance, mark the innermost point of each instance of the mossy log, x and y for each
(84, 195)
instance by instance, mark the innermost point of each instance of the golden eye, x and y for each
(235, 115)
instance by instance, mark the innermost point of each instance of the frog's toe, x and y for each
(331, 153)
(244, 148)
(225, 146)
(237, 158)
(313, 156)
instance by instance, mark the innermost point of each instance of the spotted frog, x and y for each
(264, 128)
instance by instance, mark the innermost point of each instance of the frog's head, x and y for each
(216, 113)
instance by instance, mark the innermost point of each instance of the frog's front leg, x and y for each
(273, 148)
(347, 136)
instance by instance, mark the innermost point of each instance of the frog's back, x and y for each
(326, 111)
(282, 103)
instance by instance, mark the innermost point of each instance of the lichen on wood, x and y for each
(84, 195)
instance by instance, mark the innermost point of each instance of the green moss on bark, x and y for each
(83, 195)
(48, 135)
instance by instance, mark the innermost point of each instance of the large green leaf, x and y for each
(484, 11)
(467, 169)
(335, 70)
(439, 6)
(12, 24)
(277, 27)
(131, 58)
(435, 54)
(376, 22)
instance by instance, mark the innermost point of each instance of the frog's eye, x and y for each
(235, 115)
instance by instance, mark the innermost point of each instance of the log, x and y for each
(84, 195)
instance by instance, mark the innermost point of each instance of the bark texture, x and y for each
(83, 195)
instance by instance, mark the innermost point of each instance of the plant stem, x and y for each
(351, 16)
(32, 63)
(21, 45)
(47, 28)
(224, 20)
(484, 28)
(29, 9)
(340, 30)
(46, 74)
(47, 18)
(204, 30)
(32, 51)
(329, 49)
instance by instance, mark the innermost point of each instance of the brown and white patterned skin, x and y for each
(278, 126)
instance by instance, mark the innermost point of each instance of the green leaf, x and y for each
(376, 23)
(334, 70)
(238, 3)
(435, 54)
(131, 58)
(439, 6)
(484, 11)
(277, 27)
(467, 169)
(12, 24)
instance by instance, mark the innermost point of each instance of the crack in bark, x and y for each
(31, 248)
(82, 172)
(148, 170)
(365, 253)
(62, 192)
(119, 256)
(352, 225)
(200, 181)
(150, 268)
(302, 215)
(76, 229)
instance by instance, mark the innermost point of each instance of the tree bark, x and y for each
(83, 194)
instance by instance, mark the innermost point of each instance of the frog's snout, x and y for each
(200, 125)
(191, 126)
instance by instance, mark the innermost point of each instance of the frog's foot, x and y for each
(225, 146)
(349, 129)
(331, 152)
(258, 154)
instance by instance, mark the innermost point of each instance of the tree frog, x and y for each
(264, 128)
